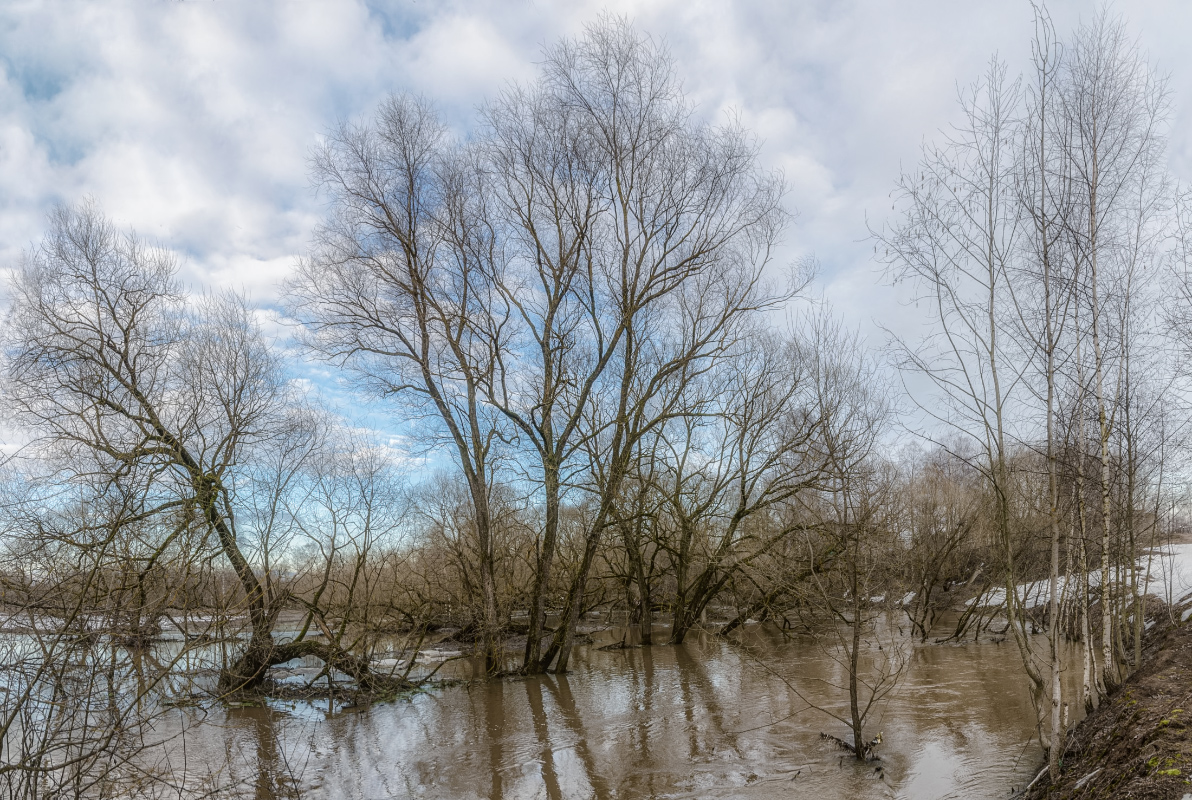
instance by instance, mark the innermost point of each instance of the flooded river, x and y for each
(704, 720)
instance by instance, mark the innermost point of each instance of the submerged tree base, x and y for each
(867, 749)
(344, 695)
(250, 674)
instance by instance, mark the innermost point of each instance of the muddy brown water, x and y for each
(708, 719)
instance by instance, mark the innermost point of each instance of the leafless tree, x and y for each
(116, 375)
(1043, 287)
(1033, 231)
(1115, 106)
(399, 290)
(734, 461)
(637, 239)
(940, 511)
(957, 236)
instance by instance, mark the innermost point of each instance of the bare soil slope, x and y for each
(1138, 744)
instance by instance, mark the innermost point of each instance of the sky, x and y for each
(192, 121)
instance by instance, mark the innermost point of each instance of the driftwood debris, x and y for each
(867, 748)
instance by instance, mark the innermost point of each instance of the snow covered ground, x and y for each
(1170, 573)
(1167, 572)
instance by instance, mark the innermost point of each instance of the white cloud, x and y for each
(192, 121)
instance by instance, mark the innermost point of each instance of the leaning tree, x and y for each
(114, 371)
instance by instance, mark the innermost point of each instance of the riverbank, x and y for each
(1138, 744)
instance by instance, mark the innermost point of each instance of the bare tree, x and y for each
(638, 240)
(854, 413)
(735, 461)
(957, 236)
(940, 510)
(398, 289)
(115, 374)
(562, 276)
(87, 585)
(1043, 289)
(1114, 106)
(1062, 202)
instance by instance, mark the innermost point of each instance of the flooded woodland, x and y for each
(704, 719)
(648, 519)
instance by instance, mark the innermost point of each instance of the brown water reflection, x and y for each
(701, 720)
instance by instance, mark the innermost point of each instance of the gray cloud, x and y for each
(192, 121)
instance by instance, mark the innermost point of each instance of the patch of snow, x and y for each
(1170, 572)
(437, 655)
(1030, 594)
(1166, 574)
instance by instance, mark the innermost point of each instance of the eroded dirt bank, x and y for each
(1138, 744)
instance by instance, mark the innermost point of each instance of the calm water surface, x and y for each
(704, 720)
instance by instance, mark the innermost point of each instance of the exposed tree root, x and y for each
(249, 672)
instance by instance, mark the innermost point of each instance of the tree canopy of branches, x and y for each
(546, 291)
(1034, 235)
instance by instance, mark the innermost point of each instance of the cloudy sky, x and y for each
(191, 121)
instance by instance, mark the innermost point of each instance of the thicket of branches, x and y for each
(1043, 238)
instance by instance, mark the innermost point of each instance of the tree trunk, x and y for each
(854, 665)
(632, 541)
(565, 635)
(533, 661)
(477, 486)
(249, 669)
